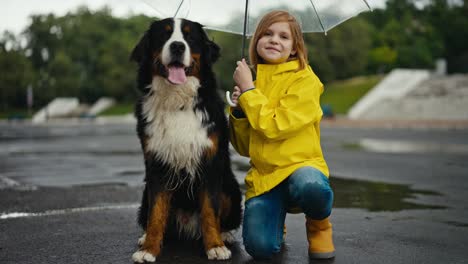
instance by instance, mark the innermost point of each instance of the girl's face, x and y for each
(276, 44)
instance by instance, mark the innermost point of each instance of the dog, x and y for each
(183, 130)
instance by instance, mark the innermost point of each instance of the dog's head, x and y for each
(174, 49)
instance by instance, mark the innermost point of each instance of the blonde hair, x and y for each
(296, 34)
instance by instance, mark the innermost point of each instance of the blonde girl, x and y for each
(277, 125)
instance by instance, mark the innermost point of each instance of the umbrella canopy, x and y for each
(241, 17)
(229, 16)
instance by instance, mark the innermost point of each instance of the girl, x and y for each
(276, 124)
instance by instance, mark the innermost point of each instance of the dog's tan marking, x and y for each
(196, 65)
(157, 224)
(187, 29)
(196, 57)
(168, 28)
(156, 55)
(144, 143)
(211, 152)
(210, 224)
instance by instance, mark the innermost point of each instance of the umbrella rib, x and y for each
(320, 20)
(245, 27)
(178, 8)
(368, 6)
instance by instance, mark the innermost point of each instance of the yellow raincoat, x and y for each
(282, 130)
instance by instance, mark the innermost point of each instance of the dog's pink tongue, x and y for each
(177, 75)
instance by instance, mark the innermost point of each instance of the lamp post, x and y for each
(29, 98)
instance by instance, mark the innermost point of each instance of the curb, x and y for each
(395, 124)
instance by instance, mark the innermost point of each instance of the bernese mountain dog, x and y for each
(190, 190)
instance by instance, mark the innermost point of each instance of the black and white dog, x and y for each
(190, 190)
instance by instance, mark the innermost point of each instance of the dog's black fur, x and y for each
(213, 174)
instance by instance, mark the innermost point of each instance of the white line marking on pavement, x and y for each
(4, 216)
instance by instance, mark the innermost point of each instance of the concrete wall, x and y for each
(396, 85)
(100, 105)
(59, 107)
(415, 95)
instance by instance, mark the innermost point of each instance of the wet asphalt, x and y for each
(69, 193)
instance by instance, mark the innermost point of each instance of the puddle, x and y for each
(131, 172)
(456, 224)
(369, 195)
(377, 196)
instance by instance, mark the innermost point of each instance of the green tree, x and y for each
(17, 73)
(84, 54)
(382, 58)
(343, 52)
(451, 23)
(231, 45)
(64, 76)
(402, 37)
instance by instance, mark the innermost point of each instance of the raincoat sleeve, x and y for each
(299, 106)
(239, 133)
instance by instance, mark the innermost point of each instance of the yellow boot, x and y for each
(319, 235)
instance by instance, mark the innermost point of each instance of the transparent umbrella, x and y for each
(241, 17)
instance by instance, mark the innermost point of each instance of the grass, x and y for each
(119, 109)
(15, 113)
(352, 146)
(341, 95)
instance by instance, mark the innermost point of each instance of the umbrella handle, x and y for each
(228, 99)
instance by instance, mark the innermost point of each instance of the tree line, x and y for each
(85, 53)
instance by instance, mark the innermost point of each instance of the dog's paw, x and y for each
(141, 240)
(142, 255)
(219, 253)
(228, 237)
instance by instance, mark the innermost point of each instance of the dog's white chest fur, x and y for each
(175, 131)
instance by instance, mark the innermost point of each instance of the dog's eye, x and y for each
(168, 28)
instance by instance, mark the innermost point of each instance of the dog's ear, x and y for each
(213, 51)
(141, 49)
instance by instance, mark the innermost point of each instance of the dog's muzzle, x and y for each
(177, 70)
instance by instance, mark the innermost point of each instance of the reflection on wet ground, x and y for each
(373, 196)
(77, 189)
(457, 224)
(377, 196)
(349, 193)
(120, 162)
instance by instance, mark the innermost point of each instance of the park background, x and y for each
(70, 187)
(85, 53)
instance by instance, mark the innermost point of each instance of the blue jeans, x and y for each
(307, 188)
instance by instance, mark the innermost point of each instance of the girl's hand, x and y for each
(235, 95)
(234, 100)
(242, 76)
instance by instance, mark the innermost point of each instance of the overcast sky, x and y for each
(14, 13)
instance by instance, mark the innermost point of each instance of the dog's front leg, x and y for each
(155, 229)
(211, 230)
